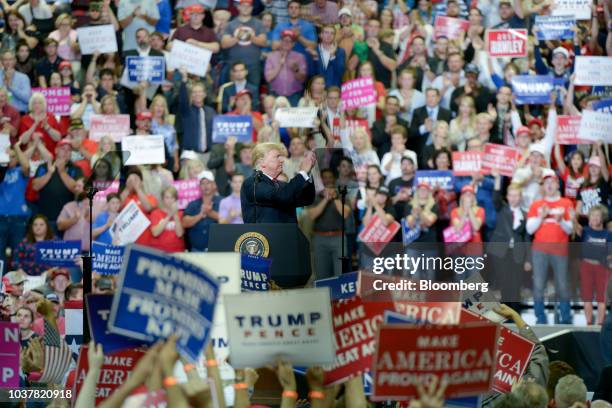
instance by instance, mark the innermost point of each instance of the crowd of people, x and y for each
(435, 95)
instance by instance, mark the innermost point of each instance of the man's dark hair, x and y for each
(70, 289)
(239, 62)
(106, 72)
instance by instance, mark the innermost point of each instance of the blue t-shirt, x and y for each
(105, 237)
(198, 234)
(12, 193)
(307, 30)
(596, 244)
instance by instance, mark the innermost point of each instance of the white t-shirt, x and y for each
(41, 12)
(126, 8)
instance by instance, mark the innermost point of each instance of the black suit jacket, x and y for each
(275, 203)
(504, 233)
(381, 140)
(416, 141)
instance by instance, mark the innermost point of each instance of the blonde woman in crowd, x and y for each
(463, 127)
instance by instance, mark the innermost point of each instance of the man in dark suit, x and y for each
(264, 199)
(508, 246)
(381, 137)
(423, 120)
(195, 119)
(228, 91)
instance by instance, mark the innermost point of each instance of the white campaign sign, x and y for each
(596, 126)
(580, 9)
(293, 324)
(5, 143)
(194, 59)
(129, 224)
(593, 71)
(296, 117)
(101, 38)
(144, 149)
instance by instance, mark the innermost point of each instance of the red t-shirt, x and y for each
(26, 123)
(550, 232)
(146, 236)
(167, 241)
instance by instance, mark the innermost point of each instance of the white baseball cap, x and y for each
(189, 155)
(206, 174)
(561, 50)
(345, 10)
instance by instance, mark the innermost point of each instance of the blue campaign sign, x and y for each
(532, 89)
(604, 105)
(98, 311)
(344, 286)
(150, 69)
(555, 27)
(159, 295)
(57, 253)
(442, 179)
(255, 273)
(238, 126)
(410, 234)
(107, 258)
(602, 91)
(394, 317)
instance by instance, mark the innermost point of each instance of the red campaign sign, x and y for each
(507, 43)
(568, 128)
(467, 163)
(430, 312)
(450, 27)
(502, 158)
(115, 371)
(407, 355)
(376, 234)
(115, 126)
(355, 326)
(513, 354)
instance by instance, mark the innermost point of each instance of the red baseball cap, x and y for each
(245, 2)
(424, 185)
(243, 93)
(195, 8)
(523, 130)
(289, 33)
(535, 121)
(144, 115)
(65, 64)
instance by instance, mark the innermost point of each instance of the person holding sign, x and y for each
(134, 191)
(24, 259)
(264, 199)
(468, 212)
(195, 32)
(202, 212)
